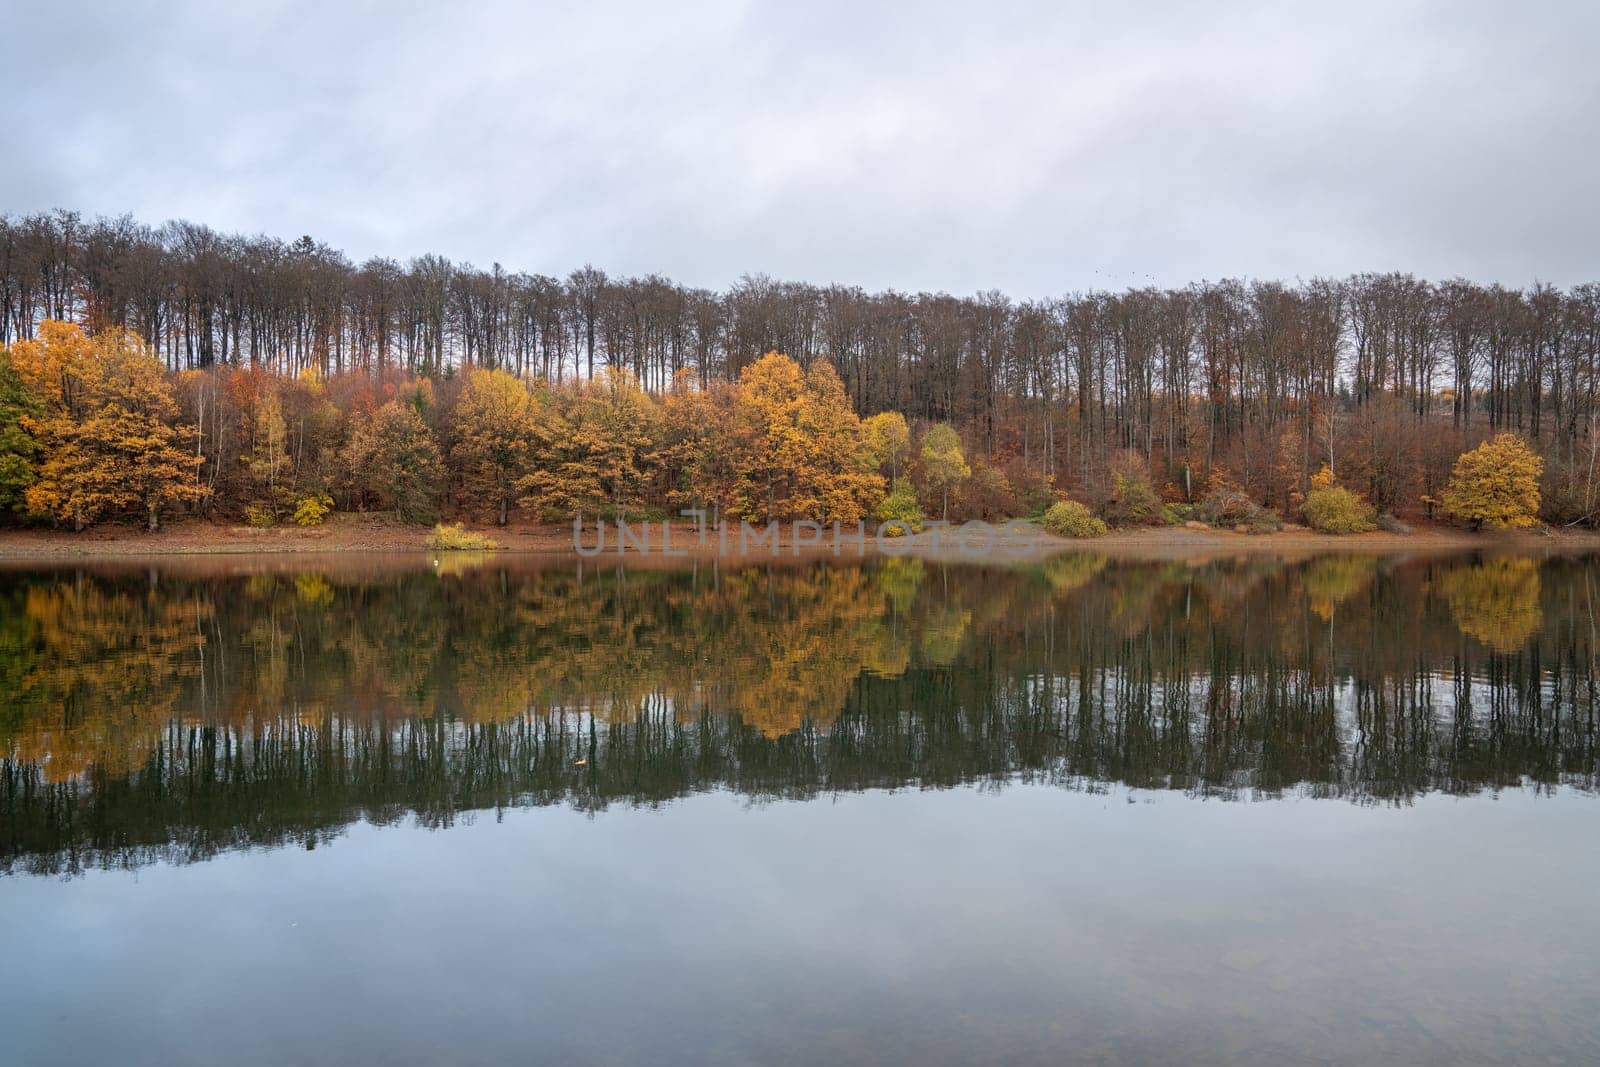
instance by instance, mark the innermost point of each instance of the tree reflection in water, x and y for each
(158, 714)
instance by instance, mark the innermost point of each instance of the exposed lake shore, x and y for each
(378, 534)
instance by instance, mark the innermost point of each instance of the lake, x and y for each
(476, 809)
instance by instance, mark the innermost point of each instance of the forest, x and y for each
(151, 371)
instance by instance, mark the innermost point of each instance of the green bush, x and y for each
(259, 515)
(453, 537)
(312, 510)
(1336, 510)
(1034, 492)
(900, 506)
(1133, 500)
(1068, 518)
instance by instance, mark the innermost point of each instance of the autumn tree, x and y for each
(600, 447)
(393, 457)
(317, 426)
(804, 456)
(888, 441)
(267, 458)
(944, 464)
(686, 454)
(105, 425)
(703, 446)
(1132, 500)
(498, 429)
(900, 510)
(839, 482)
(18, 448)
(1496, 484)
(765, 405)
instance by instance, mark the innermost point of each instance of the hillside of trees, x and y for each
(151, 371)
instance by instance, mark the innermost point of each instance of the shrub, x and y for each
(312, 510)
(1176, 514)
(1228, 505)
(1133, 500)
(1266, 521)
(1068, 518)
(1334, 509)
(1031, 489)
(900, 506)
(259, 515)
(453, 537)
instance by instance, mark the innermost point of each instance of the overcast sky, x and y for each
(1036, 149)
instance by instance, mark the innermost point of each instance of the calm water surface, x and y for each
(1341, 810)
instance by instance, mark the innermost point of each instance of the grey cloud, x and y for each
(1033, 148)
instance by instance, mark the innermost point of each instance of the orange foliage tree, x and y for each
(804, 455)
(597, 459)
(106, 426)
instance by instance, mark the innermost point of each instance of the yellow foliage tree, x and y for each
(803, 453)
(888, 441)
(944, 466)
(1496, 484)
(106, 427)
(500, 427)
(598, 460)
(268, 458)
(839, 482)
(769, 392)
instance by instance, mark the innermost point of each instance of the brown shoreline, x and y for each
(378, 535)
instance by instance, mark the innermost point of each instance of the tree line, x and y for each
(1383, 378)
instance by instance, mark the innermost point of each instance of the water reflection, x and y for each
(174, 713)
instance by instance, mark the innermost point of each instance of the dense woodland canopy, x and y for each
(282, 358)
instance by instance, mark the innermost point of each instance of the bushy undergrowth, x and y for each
(312, 510)
(1336, 510)
(452, 536)
(1132, 500)
(1068, 518)
(900, 507)
(1228, 505)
